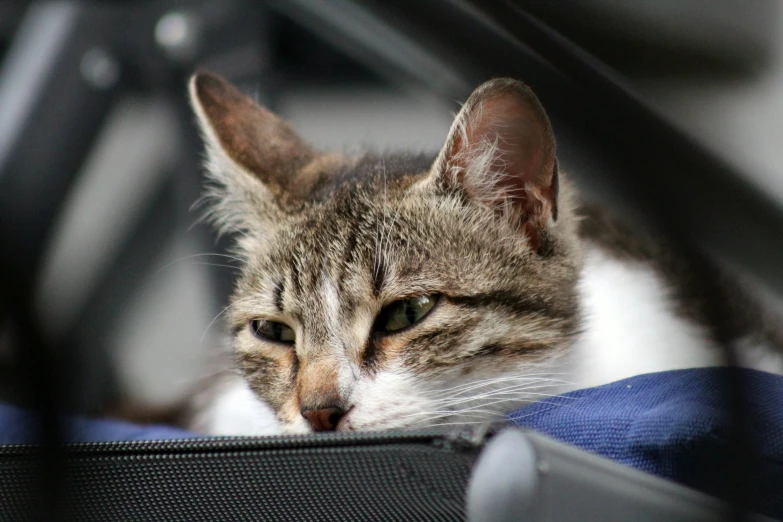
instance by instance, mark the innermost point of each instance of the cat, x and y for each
(401, 290)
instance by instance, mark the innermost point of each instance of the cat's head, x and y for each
(387, 291)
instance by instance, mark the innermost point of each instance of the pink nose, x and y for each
(325, 419)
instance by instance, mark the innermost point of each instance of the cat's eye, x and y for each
(272, 331)
(405, 312)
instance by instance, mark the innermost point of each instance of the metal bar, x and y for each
(56, 85)
(527, 477)
(381, 46)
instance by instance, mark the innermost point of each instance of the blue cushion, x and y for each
(675, 425)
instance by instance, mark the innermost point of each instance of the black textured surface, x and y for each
(369, 477)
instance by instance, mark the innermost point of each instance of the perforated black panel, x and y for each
(341, 478)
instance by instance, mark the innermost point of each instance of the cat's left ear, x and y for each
(247, 143)
(500, 152)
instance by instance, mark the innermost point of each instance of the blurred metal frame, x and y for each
(52, 113)
(65, 68)
(50, 121)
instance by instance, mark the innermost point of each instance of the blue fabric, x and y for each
(17, 425)
(675, 425)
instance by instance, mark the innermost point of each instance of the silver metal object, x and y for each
(527, 477)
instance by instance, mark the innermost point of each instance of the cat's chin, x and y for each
(297, 429)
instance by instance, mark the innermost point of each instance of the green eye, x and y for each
(272, 331)
(405, 312)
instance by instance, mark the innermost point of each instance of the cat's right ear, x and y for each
(246, 143)
(500, 153)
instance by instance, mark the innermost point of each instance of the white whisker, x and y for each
(224, 310)
(168, 265)
(504, 391)
(532, 378)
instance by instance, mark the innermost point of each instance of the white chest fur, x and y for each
(631, 326)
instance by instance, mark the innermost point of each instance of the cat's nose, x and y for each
(325, 419)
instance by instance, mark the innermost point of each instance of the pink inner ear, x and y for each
(525, 155)
(522, 167)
